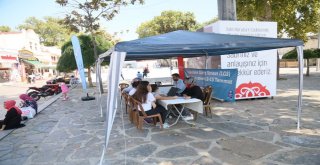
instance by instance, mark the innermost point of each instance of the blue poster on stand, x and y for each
(223, 81)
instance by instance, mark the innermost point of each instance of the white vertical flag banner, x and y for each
(78, 57)
(116, 62)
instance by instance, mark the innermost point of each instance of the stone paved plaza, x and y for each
(260, 131)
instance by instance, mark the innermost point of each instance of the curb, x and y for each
(41, 107)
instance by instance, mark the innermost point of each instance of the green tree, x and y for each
(307, 54)
(67, 61)
(294, 18)
(5, 29)
(51, 31)
(213, 20)
(168, 21)
(85, 16)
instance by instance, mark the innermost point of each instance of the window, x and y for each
(35, 46)
(30, 43)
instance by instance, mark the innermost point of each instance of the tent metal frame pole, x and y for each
(206, 59)
(300, 59)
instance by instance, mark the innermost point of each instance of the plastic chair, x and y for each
(122, 86)
(206, 102)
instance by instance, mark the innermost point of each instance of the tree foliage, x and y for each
(67, 60)
(5, 29)
(51, 31)
(307, 54)
(295, 18)
(168, 21)
(85, 16)
(211, 21)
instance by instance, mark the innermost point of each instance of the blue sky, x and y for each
(14, 12)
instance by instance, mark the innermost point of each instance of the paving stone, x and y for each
(204, 133)
(201, 145)
(205, 160)
(170, 138)
(284, 121)
(123, 162)
(45, 126)
(67, 151)
(87, 151)
(228, 157)
(58, 135)
(75, 162)
(14, 161)
(247, 148)
(23, 152)
(298, 156)
(137, 133)
(142, 151)
(310, 141)
(44, 147)
(177, 152)
(82, 137)
(75, 131)
(44, 157)
(118, 145)
(265, 136)
(233, 127)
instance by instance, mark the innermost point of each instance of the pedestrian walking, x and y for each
(65, 90)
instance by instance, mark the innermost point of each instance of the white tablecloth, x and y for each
(193, 104)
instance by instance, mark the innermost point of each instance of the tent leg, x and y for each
(300, 59)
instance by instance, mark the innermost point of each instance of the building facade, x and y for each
(22, 55)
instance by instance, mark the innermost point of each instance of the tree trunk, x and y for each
(307, 74)
(96, 57)
(278, 66)
(89, 77)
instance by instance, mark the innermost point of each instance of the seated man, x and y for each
(178, 83)
(192, 91)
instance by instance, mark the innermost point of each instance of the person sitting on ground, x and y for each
(27, 101)
(13, 116)
(144, 95)
(158, 96)
(178, 83)
(128, 89)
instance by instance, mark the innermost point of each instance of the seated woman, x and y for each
(158, 96)
(144, 95)
(13, 116)
(27, 101)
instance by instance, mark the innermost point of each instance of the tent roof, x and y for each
(193, 44)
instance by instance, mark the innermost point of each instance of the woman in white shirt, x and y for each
(144, 95)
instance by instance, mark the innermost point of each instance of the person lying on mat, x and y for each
(13, 116)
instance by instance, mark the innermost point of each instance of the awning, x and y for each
(36, 64)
